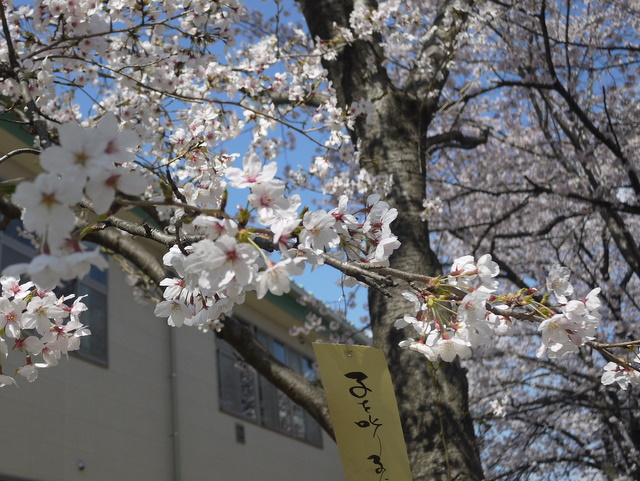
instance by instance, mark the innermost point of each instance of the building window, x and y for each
(15, 249)
(244, 393)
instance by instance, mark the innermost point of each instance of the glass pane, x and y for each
(308, 370)
(13, 231)
(248, 398)
(297, 421)
(95, 345)
(279, 351)
(285, 420)
(238, 384)
(11, 256)
(269, 404)
(294, 361)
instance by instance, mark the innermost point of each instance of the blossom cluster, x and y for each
(36, 322)
(95, 163)
(576, 322)
(447, 329)
(215, 272)
(461, 310)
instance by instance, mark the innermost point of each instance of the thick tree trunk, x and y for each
(433, 400)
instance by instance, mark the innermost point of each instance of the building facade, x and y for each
(143, 401)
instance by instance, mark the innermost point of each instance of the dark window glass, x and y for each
(269, 406)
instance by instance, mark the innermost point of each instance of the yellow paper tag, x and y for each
(364, 411)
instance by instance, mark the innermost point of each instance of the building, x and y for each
(143, 401)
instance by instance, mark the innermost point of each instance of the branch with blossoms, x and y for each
(34, 323)
(218, 257)
(456, 312)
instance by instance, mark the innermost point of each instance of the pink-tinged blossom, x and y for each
(462, 271)
(31, 344)
(252, 172)
(217, 263)
(283, 229)
(268, 199)
(559, 336)
(214, 227)
(465, 271)
(237, 259)
(463, 265)
(76, 310)
(120, 143)
(64, 337)
(11, 287)
(103, 185)
(173, 287)
(382, 250)
(344, 222)
(11, 317)
(39, 312)
(379, 218)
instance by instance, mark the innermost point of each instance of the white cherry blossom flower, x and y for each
(80, 150)
(120, 143)
(252, 172)
(45, 270)
(318, 233)
(473, 306)
(448, 349)
(558, 283)
(422, 328)
(102, 187)
(487, 270)
(6, 380)
(420, 347)
(618, 374)
(46, 205)
(268, 199)
(11, 287)
(275, 278)
(28, 371)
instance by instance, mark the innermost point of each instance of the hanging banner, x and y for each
(364, 412)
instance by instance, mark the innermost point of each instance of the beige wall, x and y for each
(117, 420)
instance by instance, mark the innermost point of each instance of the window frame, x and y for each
(22, 247)
(273, 410)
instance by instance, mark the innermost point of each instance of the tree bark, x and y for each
(433, 399)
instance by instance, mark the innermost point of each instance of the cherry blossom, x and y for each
(44, 311)
(149, 108)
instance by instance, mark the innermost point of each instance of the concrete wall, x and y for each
(117, 419)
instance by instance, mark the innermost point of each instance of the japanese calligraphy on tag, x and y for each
(365, 415)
